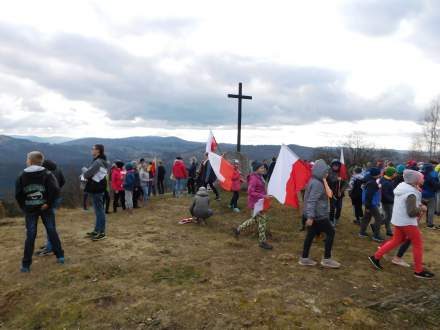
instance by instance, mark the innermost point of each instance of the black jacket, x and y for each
(161, 172)
(52, 166)
(35, 187)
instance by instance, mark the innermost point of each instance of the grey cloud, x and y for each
(380, 17)
(128, 87)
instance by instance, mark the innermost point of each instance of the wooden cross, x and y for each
(240, 97)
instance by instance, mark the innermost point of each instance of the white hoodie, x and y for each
(400, 215)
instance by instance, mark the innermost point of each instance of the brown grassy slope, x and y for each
(153, 273)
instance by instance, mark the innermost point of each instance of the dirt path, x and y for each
(151, 273)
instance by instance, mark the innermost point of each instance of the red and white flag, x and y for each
(343, 171)
(262, 205)
(289, 177)
(222, 169)
(211, 144)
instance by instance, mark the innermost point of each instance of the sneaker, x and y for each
(425, 274)
(43, 252)
(430, 227)
(330, 263)
(307, 262)
(265, 245)
(236, 210)
(236, 232)
(400, 262)
(218, 199)
(375, 262)
(99, 237)
(61, 261)
(24, 269)
(363, 235)
(92, 234)
(377, 239)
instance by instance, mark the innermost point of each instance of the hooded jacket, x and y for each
(432, 183)
(200, 206)
(315, 197)
(400, 214)
(130, 178)
(236, 180)
(117, 179)
(355, 187)
(256, 189)
(35, 187)
(371, 196)
(179, 170)
(52, 166)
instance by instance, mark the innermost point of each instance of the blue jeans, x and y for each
(31, 219)
(56, 206)
(145, 192)
(98, 205)
(180, 186)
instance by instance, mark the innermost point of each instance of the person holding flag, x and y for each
(316, 199)
(257, 202)
(337, 182)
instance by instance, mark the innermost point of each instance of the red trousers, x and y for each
(400, 235)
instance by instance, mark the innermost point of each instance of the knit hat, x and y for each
(256, 165)
(412, 177)
(390, 171)
(236, 162)
(427, 167)
(400, 168)
(357, 170)
(202, 189)
(374, 171)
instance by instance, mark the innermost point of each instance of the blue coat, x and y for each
(431, 185)
(371, 193)
(130, 181)
(387, 191)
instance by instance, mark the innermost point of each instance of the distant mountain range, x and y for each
(74, 154)
(50, 139)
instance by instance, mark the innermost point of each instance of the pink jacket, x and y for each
(236, 181)
(256, 189)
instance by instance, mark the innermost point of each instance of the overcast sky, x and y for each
(317, 70)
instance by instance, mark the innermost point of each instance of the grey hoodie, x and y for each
(315, 198)
(200, 207)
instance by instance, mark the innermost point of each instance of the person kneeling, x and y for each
(316, 212)
(200, 207)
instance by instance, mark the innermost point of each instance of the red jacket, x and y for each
(179, 170)
(236, 180)
(117, 179)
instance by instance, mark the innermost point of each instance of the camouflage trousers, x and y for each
(261, 220)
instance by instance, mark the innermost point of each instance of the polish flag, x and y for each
(211, 144)
(289, 177)
(343, 171)
(222, 169)
(262, 205)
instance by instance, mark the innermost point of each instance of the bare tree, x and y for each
(417, 150)
(357, 150)
(431, 128)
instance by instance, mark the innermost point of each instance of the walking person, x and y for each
(387, 193)
(192, 174)
(355, 193)
(161, 172)
(96, 176)
(236, 186)
(371, 198)
(430, 187)
(256, 191)
(407, 211)
(337, 185)
(59, 176)
(316, 203)
(117, 186)
(180, 174)
(36, 192)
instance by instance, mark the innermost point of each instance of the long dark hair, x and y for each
(100, 148)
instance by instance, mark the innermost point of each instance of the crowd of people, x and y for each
(397, 197)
